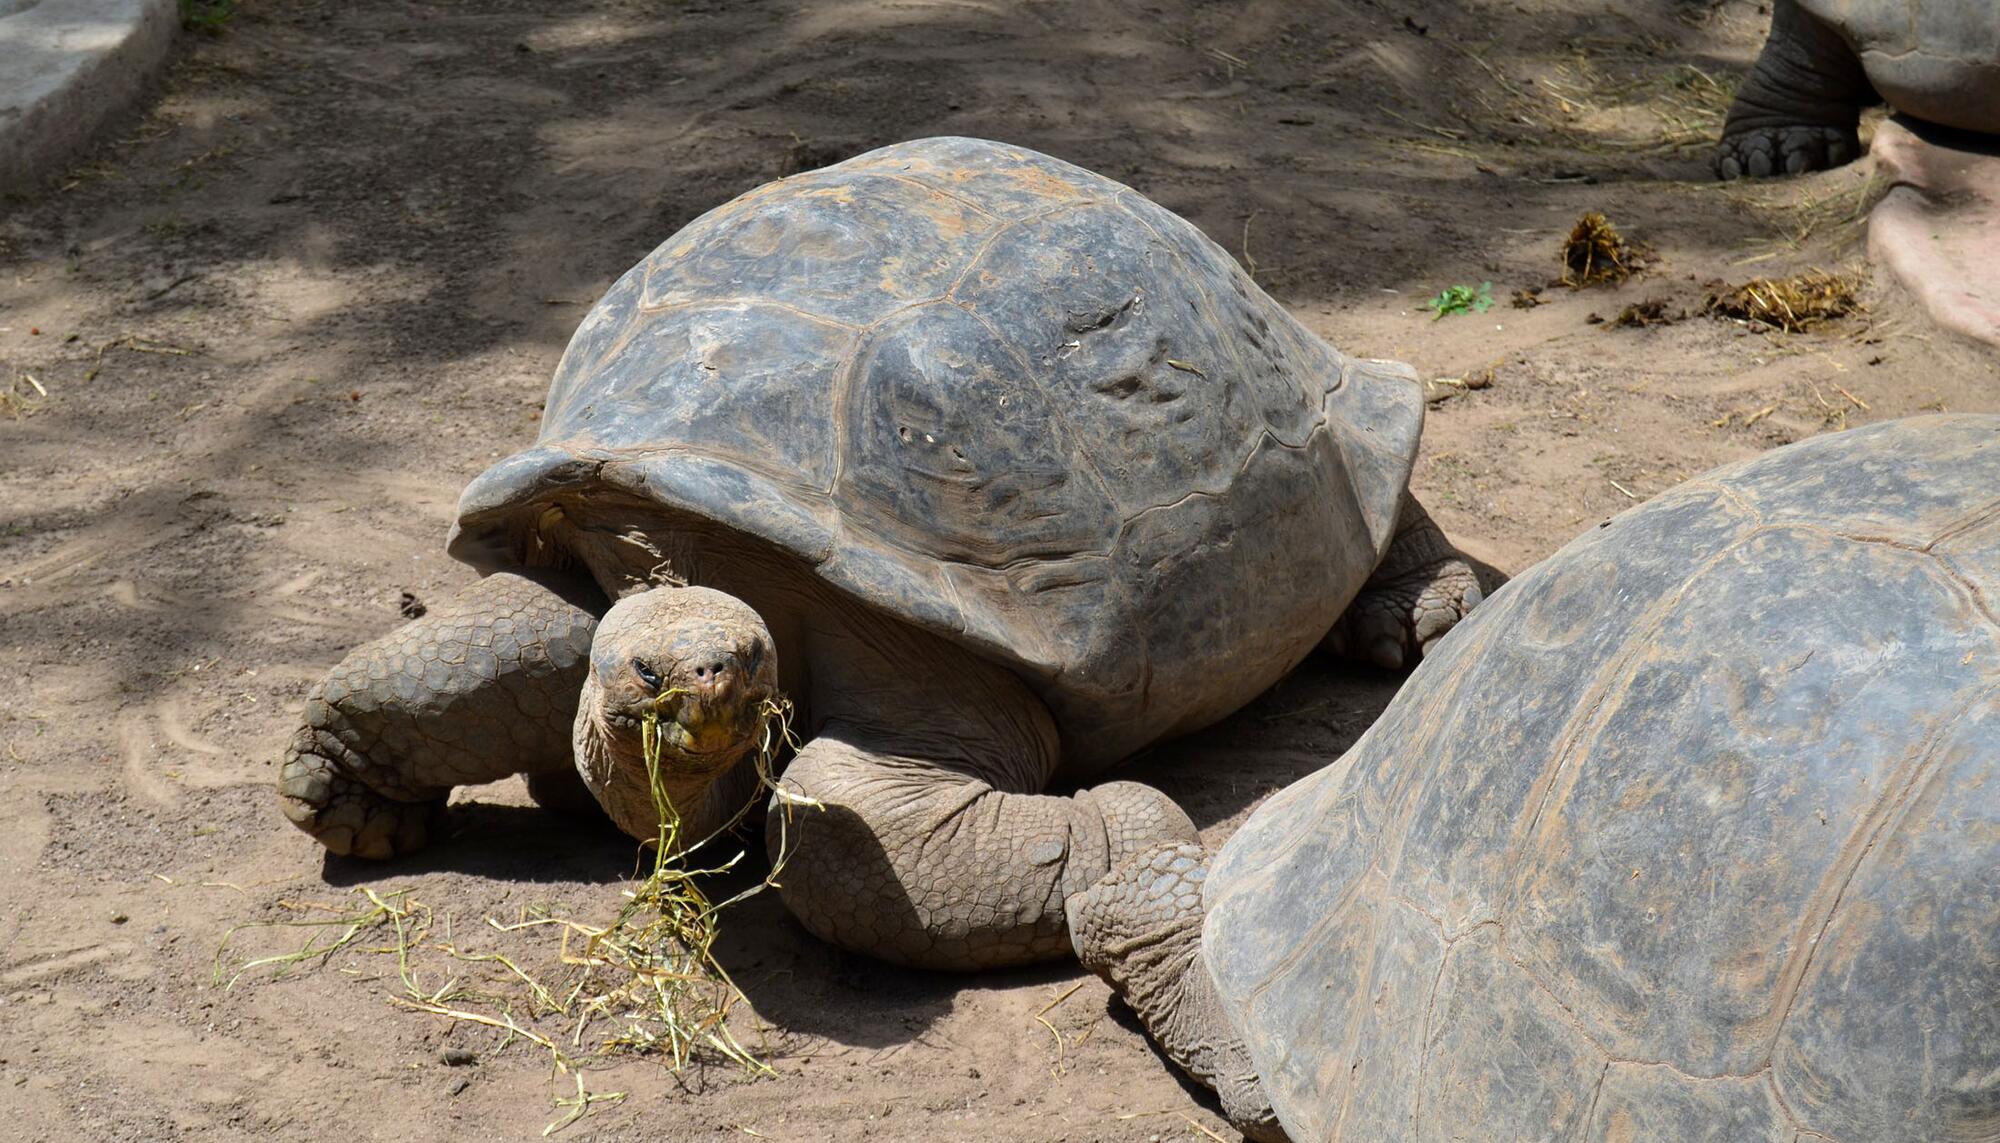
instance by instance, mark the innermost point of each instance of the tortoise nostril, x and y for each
(712, 676)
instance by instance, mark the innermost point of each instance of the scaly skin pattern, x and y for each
(920, 865)
(1140, 930)
(1417, 594)
(1799, 107)
(936, 847)
(483, 686)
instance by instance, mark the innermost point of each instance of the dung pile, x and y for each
(1596, 253)
(1792, 304)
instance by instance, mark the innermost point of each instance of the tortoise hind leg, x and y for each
(1140, 929)
(484, 686)
(1418, 593)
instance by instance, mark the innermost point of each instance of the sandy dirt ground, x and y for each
(252, 347)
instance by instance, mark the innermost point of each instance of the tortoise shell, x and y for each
(1692, 831)
(1938, 60)
(1001, 398)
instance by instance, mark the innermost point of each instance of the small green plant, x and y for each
(1461, 300)
(206, 15)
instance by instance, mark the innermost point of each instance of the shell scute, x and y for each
(1918, 480)
(703, 381)
(836, 244)
(1383, 1055)
(1004, 182)
(1914, 936)
(1640, 1100)
(1109, 321)
(1486, 1005)
(952, 450)
(1337, 963)
(1282, 370)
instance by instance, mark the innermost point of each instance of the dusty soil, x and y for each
(276, 324)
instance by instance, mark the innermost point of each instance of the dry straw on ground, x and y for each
(646, 983)
(1792, 304)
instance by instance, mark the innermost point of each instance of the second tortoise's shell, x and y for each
(1004, 399)
(1938, 60)
(1692, 831)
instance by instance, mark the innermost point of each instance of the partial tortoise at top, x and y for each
(1937, 61)
(997, 469)
(1691, 832)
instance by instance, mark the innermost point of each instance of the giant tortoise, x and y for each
(997, 469)
(1691, 832)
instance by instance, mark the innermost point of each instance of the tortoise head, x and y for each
(704, 665)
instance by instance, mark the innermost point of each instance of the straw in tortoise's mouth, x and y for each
(695, 733)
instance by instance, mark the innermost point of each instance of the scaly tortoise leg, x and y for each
(936, 847)
(1799, 108)
(919, 863)
(483, 686)
(1419, 592)
(1140, 929)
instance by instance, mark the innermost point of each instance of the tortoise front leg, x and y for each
(1418, 593)
(936, 847)
(483, 686)
(931, 864)
(1140, 929)
(1799, 108)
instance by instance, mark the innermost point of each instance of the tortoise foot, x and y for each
(1397, 619)
(322, 796)
(1799, 107)
(1139, 929)
(1794, 150)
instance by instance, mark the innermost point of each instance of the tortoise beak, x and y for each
(712, 727)
(711, 707)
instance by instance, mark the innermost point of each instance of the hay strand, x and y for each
(650, 973)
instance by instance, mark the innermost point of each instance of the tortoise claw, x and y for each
(1394, 623)
(1768, 151)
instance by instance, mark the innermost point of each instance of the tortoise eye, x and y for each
(647, 674)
